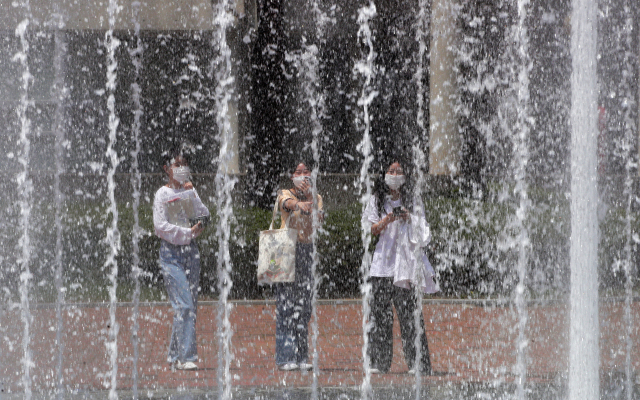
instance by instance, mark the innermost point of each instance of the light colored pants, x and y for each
(293, 311)
(181, 270)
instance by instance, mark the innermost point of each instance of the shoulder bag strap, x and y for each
(275, 212)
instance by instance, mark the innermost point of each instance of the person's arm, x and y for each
(199, 207)
(200, 210)
(173, 234)
(292, 205)
(378, 225)
(371, 216)
(286, 202)
(381, 225)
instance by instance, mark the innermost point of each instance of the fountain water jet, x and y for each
(136, 182)
(29, 290)
(58, 128)
(366, 68)
(224, 185)
(113, 234)
(25, 189)
(419, 161)
(584, 360)
(521, 190)
(631, 166)
(314, 97)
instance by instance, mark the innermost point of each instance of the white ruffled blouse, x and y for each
(173, 234)
(399, 252)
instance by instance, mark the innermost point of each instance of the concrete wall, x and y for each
(153, 14)
(87, 17)
(444, 158)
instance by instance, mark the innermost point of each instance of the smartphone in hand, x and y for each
(398, 211)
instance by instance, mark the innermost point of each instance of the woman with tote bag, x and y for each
(293, 299)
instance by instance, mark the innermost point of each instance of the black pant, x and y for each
(381, 334)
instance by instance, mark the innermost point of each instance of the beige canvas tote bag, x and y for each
(277, 253)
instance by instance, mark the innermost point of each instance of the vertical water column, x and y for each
(314, 96)
(631, 168)
(365, 67)
(519, 162)
(584, 359)
(224, 187)
(420, 141)
(25, 189)
(136, 183)
(113, 235)
(59, 132)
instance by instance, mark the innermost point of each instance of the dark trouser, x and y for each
(293, 311)
(381, 333)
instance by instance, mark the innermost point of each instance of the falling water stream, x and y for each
(59, 132)
(423, 22)
(225, 183)
(520, 160)
(314, 97)
(365, 67)
(584, 359)
(136, 182)
(25, 190)
(113, 234)
(631, 167)
(584, 340)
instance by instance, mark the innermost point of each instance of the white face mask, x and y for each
(181, 174)
(394, 181)
(299, 180)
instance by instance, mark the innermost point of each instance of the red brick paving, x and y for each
(468, 342)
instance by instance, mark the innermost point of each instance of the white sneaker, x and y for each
(186, 366)
(374, 371)
(412, 371)
(305, 366)
(288, 367)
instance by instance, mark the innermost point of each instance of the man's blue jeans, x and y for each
(293, 310)
(181, 270)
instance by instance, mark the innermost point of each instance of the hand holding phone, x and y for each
(398, 211)
(197, 229)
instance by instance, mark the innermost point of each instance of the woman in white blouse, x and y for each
(179, 256)
(399, 264)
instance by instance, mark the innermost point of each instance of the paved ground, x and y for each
(469, 342)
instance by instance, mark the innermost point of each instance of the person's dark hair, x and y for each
(171, 154)
(381, 190)
(307, 163)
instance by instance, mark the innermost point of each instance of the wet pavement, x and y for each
(472, 344)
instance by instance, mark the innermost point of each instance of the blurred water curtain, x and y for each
(469, 113)
(473, 97)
